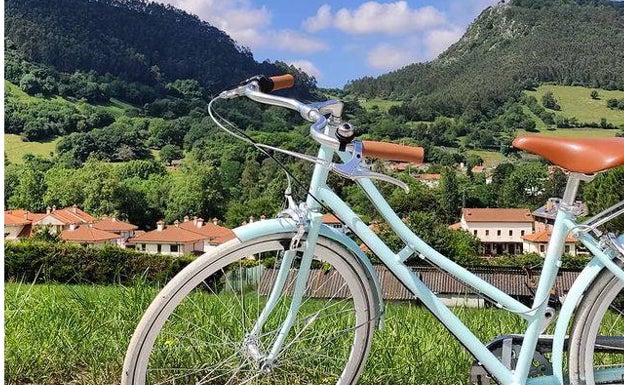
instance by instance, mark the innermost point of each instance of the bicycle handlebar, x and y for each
(257, 89)
(392, 151)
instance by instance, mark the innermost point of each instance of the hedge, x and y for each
(39, 261)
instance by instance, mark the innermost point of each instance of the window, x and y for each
(498, 232)
(142, 246)
(567, 249)
(159, 248)
(542, 248)
(522, 233)
(510, 233)
(173, 248)
(487, 232)
(474, 232)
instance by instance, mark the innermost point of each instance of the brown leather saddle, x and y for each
(583, 155)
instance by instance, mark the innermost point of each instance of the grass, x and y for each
(78, 334)
(383, 105)
(573, 133)
(490, 158)
(576, 102)
(16, 148)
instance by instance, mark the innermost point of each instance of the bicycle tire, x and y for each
(600, 312)
(161, 330)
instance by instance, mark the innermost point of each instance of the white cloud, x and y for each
(387, 57)
(374, 17)
(307, 67)
(248, 25)
(322, 19)
(293, 41)
(438, 40)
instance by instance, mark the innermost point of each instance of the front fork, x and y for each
(251, 340)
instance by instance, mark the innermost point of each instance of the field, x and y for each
(78, 334)
(576, 102)
(15, 148)
(573, 133)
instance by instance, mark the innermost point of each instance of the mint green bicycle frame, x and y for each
(535, 315)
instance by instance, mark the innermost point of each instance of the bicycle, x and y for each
(217, 322)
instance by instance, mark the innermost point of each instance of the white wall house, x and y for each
(190, 236)
(125, 230)
(499, 230)
(538, 243)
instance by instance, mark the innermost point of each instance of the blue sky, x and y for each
(340, 41)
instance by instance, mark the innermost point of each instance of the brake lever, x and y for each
(355, 168)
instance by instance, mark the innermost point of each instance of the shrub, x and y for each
(40, 261)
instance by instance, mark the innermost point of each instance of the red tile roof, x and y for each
(330, 218)
(170, 234)
(497, 215)
(455, 226)
(214, 233)
(12, 218)
(88, 234)
(429, 176)
(544, 236)
(67, 216)
(113, 224)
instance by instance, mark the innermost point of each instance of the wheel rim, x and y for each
(201, 339)
(608, 321)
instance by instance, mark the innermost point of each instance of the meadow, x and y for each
(577, 102)
(78, 334)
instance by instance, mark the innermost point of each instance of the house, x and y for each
(213, 233)
(332, 221)
(499, 230)
(545, 216)
(61, 219)
(429, 180)
(537, 243)
(172, 240)
(125, 230)
(17, 224)
(88, 235)
(190, 236)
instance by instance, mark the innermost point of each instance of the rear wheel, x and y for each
(195, 330)
(597, 337)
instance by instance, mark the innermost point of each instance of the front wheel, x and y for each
(195, 331)
(596, 353)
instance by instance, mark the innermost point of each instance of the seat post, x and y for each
(574, 179)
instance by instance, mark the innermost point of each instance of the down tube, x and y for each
(416, 286)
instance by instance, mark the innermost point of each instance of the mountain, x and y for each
(509, 48)
(134, 40)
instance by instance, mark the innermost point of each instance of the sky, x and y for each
(340, 41)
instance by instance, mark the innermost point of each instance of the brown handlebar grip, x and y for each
(392, 151)
(282, 81)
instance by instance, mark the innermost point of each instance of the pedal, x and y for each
(507, 349)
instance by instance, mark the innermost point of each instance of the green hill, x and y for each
(132, 39)
(509, 48)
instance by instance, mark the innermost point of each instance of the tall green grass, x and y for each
(78, 334)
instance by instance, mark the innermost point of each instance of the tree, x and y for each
(450, 196)
(525, 186)
(27, 194)
(549, 101)
(198, 191)
(170, 153)
(30, 84)
(604, 191)
(594, 95)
